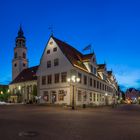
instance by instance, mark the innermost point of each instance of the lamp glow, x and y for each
(19, 87)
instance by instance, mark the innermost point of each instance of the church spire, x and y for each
(20, 61)
(20, 32)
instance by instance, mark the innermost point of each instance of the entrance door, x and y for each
(53, 97)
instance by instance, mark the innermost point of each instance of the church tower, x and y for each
(20, 61)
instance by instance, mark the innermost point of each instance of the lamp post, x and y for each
(73, 80)
(19, 88)
(106, 98)
(8, 90)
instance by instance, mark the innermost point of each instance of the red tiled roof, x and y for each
(28, 74)
(87, 57)
(73, 55)
(4, 86)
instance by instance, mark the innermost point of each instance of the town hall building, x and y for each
(64, 76)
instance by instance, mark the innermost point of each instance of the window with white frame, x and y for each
(61, 95)
(94, 97)
(85, 80)
(49, 79)
(84, 96)
(90, 96)
(63, 77)
(79, 95)
(80, 77)
(56, 78)
(56, 62)
(90, 82)
(48, 64)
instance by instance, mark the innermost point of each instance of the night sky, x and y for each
(111, 26)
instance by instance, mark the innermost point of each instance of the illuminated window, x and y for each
(61, 95)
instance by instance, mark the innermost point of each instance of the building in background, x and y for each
(132, 94)
(23, 87)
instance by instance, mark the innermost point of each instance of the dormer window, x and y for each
(104, 77)
(95, 71)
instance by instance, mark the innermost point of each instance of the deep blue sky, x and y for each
(112, 26)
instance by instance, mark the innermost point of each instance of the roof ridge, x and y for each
(68, 45)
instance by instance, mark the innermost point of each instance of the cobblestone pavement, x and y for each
(32, 122)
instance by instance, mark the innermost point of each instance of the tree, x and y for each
(34, 90)
(34, 93)
(4, 95)
(123, 95)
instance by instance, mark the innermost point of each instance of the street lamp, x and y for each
(19, 88)
(72, 80)
(106, 98)
(8, 90)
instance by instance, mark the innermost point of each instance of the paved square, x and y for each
(55, 123)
